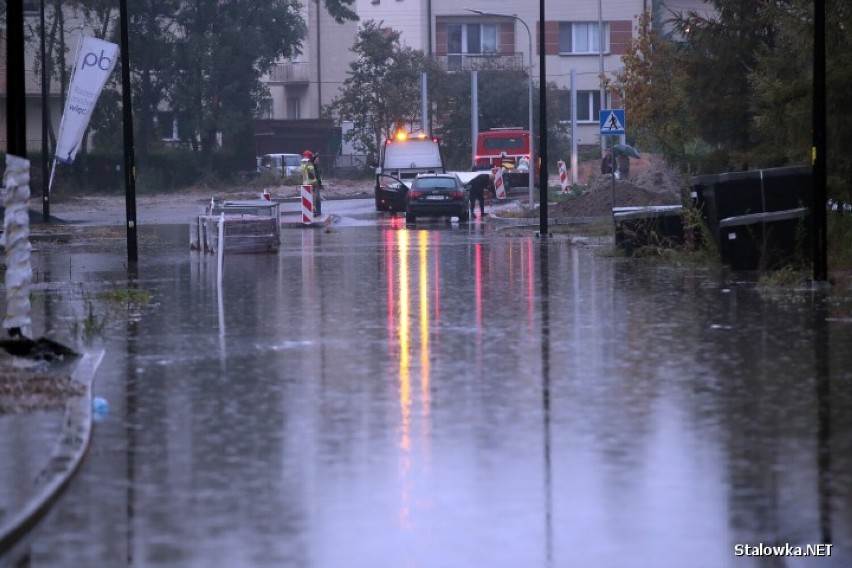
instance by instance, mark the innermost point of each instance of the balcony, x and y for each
(481, 62)
(289, 74)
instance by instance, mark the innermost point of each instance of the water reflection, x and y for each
(544, 284)
(420, 311)
(378, 396)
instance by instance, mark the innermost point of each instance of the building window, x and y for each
(294, 108)
(582, 37)
(173, 126)
(469, 39)
(588, 106)
(167, 126)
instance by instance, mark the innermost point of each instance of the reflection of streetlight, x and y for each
(530, 76)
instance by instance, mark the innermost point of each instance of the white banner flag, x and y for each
(95, 61)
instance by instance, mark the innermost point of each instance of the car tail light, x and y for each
(456, 194)
(415, 194)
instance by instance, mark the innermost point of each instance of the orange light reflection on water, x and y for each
(412, 450)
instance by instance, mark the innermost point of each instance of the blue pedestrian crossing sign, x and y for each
(612, 122)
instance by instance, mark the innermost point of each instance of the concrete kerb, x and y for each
(295, 222)
(71, 448)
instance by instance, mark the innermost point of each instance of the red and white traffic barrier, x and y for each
(563, 176)
(307, 204)
(499, 188)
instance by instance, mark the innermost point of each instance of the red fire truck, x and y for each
(508, 148)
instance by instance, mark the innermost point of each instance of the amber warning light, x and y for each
(402, 136)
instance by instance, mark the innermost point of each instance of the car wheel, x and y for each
(410, 217)
(464, 217)
(379, 206)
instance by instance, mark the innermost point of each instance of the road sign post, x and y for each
(612, 121)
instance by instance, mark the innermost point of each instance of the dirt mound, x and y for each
(651, 182)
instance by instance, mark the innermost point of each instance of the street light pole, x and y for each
(531, 178)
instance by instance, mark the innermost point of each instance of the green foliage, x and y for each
(201, 59)
(220, 52)
(653, 85)
(734, 91)
(381, 92)
(125, 296)
(503, 102)
(840, 241)
(781, 82)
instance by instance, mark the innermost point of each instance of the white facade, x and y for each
(409, 17)
(447, 30)
(299, 87)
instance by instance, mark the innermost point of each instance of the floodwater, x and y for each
(376, 396)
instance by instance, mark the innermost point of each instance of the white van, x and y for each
(403, 158)
(284, 164)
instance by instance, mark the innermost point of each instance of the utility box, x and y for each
(636, 227)
(766, 241)
(732, 194)
(700, 187)
(736, 194)
(787, 188)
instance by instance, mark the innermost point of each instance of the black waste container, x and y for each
(699, 188)
(733, 194)
(660, 225)
(766, 241)
(787, 188)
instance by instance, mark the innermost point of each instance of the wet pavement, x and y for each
(441, 396)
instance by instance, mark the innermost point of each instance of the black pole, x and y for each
(612, 167)
(542, 123)
(818, 211)
(45, 92)
(127, 116)
(16, 112)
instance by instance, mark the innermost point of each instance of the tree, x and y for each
(220, 51)
(503, 102)
(782, 83)
(382, 89)
(717, 56)
(652, 83)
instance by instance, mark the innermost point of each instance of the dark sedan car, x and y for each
(437, 195)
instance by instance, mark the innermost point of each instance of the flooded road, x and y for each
(440, 396)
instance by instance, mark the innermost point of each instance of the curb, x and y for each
(71, 448)
(318, 222)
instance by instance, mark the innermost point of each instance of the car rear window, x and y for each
(435, 183)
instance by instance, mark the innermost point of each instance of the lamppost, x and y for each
(530, 82)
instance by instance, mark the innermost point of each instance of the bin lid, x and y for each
(622, 213)
(787, 171)
(767, 217)
(249, 203)
(704, 179)
(737, 176)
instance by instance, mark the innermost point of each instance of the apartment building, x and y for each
(455, 34)
(463, 35)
